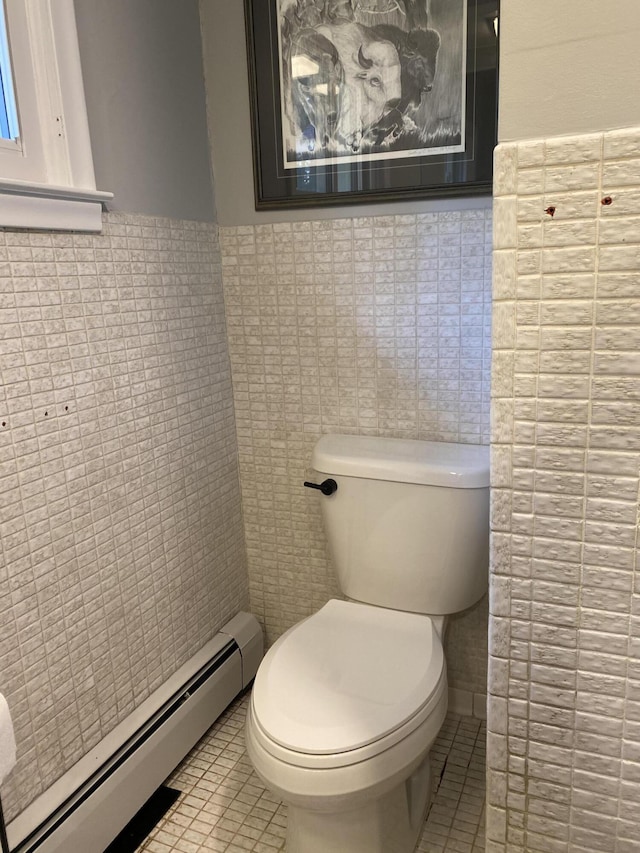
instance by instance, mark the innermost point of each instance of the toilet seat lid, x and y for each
(346, 677)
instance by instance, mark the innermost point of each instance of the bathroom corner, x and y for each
(164, 383)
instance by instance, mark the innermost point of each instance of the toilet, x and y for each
(347, 704)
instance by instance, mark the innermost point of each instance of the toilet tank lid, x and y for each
(403, 460)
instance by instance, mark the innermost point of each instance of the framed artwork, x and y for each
(371, 100)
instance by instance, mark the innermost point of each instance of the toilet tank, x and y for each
(408, 527)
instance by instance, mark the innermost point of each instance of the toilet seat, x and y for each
(347, 684)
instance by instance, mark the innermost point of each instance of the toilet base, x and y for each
(388, 824)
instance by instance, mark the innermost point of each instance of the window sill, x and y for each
(51, 208)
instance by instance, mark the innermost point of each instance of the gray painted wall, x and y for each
(225, 64)
(143, 76)
(569, 67)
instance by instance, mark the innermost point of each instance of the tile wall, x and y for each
(564, 705)
(375, 326)
(121, 540)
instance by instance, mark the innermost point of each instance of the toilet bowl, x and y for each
(347, 704)
(344, 710)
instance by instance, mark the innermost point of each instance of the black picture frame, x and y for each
(328, 173)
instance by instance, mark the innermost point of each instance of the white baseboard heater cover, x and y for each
(87, 807)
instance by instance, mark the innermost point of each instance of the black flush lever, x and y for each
(329, 487)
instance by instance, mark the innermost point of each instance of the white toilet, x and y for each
(347, 704)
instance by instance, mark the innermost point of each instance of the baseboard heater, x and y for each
(88, 806)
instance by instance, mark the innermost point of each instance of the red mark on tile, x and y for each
(551, 211)
(606, 200)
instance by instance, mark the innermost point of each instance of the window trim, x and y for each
(54, 208)
(55, 170)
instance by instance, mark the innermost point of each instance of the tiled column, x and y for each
(564, 739)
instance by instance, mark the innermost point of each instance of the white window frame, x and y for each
(46, 177)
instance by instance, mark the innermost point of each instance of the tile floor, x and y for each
(224, 806)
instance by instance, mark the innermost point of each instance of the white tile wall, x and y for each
(564, 704)
(121, 541)
(373, 326)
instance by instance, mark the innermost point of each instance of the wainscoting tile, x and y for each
(121, 541)
(376, 326)
(565, 525)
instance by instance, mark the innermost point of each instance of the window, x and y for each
(46, 170)
(9, 132)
